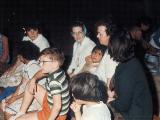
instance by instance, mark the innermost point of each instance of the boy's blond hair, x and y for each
(54, 54)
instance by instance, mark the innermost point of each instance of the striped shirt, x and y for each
(58, 84)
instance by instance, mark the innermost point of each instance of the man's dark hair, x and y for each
(121, 46)
(28, 50)
(86, 86)
(108, 23)
(102, 48)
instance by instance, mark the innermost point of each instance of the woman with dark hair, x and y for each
(34, 35)
(133, 99)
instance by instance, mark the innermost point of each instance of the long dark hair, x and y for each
(121, 46)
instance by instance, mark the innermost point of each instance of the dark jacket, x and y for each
(133, 100)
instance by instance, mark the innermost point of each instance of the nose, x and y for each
(98, 35)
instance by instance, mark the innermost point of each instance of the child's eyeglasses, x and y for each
(42, 62)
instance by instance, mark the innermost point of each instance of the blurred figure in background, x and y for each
(4, 53)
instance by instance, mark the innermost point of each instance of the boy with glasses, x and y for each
(55, 98)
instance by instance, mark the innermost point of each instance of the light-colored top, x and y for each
(28, 72)
(80, 51)
(57, 83)
(90, 67)
(96, 112)
(106, 68)
(40, 41)
(30, 69)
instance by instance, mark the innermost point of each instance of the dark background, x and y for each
(55, 16)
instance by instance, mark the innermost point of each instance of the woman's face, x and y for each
(32, 34)
(77, 33)
(102, 35)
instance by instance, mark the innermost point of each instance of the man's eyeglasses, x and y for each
(42, 62)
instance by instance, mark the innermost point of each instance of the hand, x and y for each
(88, 59)
(71, 75)
(110, 99)
(110, 93)
(10, 101)
(40, 74)
(75, 107)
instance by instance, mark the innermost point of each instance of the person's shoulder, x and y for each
(25, 38)
(88, 40)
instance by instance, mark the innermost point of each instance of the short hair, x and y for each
(108, 23)
(121, 46)
(54, 54)
(28, 50)
(79, 24)
(102, 48)
(86, 86)
(33, 25)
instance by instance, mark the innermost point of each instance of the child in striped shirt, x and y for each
(55, 98)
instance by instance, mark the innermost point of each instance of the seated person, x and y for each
(55, 97)
(94, 59)
(89, 91)
(34, 35)
(28, 53)
(4, 53)
(82, 47)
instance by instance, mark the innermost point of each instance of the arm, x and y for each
(56, 107)
(31, 85)
(5, 53)
(76, 109)
(14, 98)
(124, 92)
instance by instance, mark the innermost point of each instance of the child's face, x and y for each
(96, 56)
(32, 34)
(48, 65)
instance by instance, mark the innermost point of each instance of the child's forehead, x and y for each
(45, 57)
(98, 50)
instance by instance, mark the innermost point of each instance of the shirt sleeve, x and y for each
(55, 88)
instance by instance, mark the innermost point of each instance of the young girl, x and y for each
(94, 59)
(33, 35)
(89, 91)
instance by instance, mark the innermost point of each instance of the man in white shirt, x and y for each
(81, 48)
